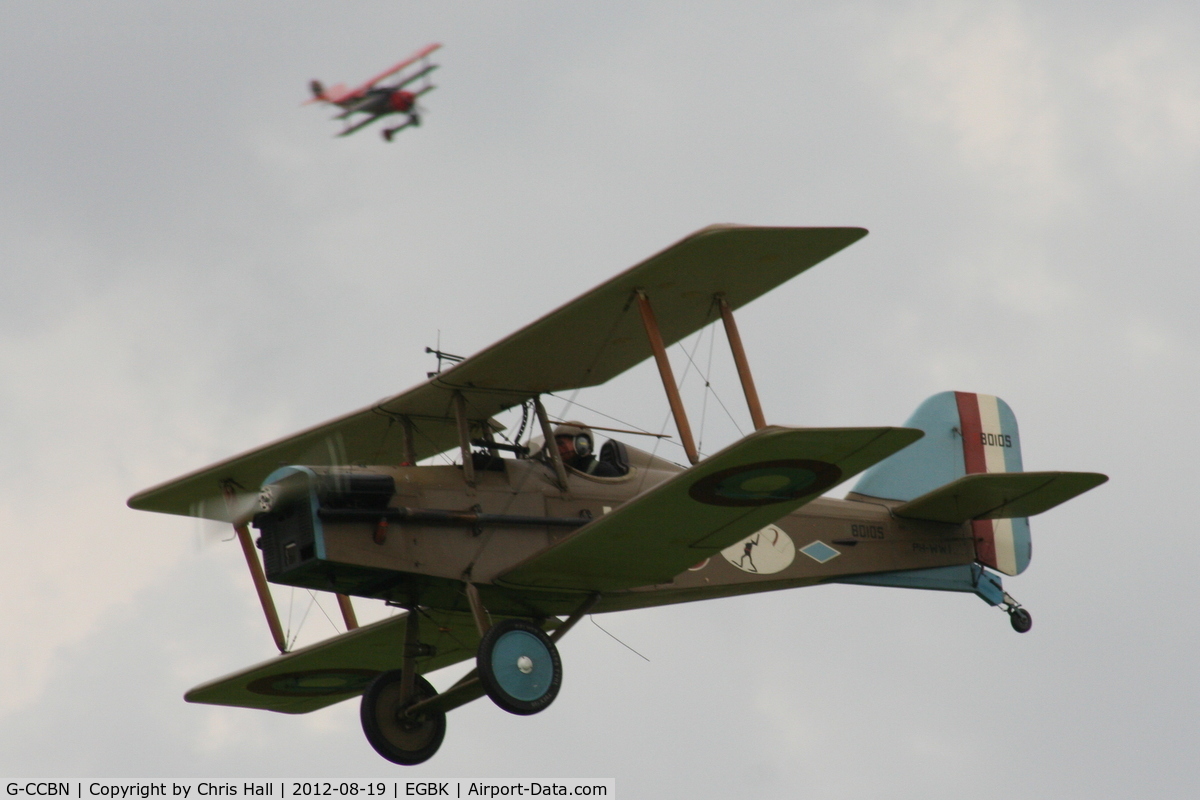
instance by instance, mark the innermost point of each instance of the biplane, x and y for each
(375, 100)
(497, 553)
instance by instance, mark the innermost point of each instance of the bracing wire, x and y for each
(716, 396)
(667, 419)
(449, 461)
(691, 362)
(618, 641)
(707, 375)
(570, 402)
(323, 612)
(686, 371)
(312, 601)
(291, 602)
(610, 417)
(301, 625)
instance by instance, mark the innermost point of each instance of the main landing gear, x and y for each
(1020, 617)
(414, 120)
(398, 714)
(399, 737)
(517, 666)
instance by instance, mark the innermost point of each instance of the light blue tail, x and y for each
(965, 434)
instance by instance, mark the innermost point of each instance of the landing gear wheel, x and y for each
(1021, 620)
(519, 667)
(398, 738)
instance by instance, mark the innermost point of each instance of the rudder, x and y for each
(965, 434)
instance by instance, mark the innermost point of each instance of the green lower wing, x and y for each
(724, 499)
(1002, 495)
(340, 668)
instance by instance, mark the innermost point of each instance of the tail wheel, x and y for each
(399, 738)
(1021, 620)
(519, 667)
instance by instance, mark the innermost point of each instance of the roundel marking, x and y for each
(314, 682)
(765, 482)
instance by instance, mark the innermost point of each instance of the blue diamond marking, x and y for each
(820, 552)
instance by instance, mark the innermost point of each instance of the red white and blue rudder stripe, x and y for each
(991, 443)
(965, 434)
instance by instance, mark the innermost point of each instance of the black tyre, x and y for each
(519, 667)
(1021, 620)
(396, 737)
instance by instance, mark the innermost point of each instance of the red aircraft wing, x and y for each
(417, 56)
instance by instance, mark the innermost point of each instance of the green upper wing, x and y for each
(724, 499)
(586, 342)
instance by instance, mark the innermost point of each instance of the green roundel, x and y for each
(314, 682)
(765, 482)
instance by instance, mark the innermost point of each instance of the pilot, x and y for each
(575, 445)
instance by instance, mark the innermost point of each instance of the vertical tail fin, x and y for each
(991, 444)
(965, 434)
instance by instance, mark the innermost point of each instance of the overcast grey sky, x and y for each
(192, 265)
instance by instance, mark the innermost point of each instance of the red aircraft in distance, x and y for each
(379, 101)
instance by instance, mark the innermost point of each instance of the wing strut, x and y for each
(551, 446)
(410, 447)
(668, 377)
(260, 585)
(464, 438)
(412, 649)
(264, 591)
(256, 575)
(348, 615)
(743, 366)
(576, 615)
(482, 621)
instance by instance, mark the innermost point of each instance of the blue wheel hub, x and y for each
(522, 665)
(519, 667)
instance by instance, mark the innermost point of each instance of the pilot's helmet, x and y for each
(580, 433)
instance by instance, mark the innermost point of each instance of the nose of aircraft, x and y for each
(401, 101)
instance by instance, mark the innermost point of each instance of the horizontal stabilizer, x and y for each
(336, 94)
(701, 511)
(958, 578)
(341, 667)
(999, 496)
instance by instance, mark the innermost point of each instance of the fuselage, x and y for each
(378, 102)
(429, 561)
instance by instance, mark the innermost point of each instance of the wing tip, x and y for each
(856, 231)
